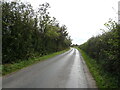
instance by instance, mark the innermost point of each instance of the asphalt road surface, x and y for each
(67, 70)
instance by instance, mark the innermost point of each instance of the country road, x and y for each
(67, 70)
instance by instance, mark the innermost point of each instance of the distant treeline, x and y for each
(105, 49)
(28, 33)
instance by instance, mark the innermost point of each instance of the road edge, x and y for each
(57, 53)
(90, 80)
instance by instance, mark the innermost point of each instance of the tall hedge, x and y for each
(105, 49)
(28, 33)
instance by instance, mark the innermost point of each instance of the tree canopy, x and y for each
(28, 33)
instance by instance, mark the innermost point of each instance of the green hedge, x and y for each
(27, 33)
(105, 49)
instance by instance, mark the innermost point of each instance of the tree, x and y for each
(27, 33)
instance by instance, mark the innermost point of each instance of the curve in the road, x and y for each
(66, 70)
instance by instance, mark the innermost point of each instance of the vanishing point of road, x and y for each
(67, 70)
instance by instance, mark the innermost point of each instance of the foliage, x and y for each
(27, 33)
(103, 80)
(9, 68)
(105, 50)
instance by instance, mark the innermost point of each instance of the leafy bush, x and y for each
(27, 33)
(105, 49)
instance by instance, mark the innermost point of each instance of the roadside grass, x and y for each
(9, 68)
(103, 79)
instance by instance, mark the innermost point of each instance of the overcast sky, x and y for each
(83, 18)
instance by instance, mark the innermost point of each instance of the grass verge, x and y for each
(103, 79)
(9, 68)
